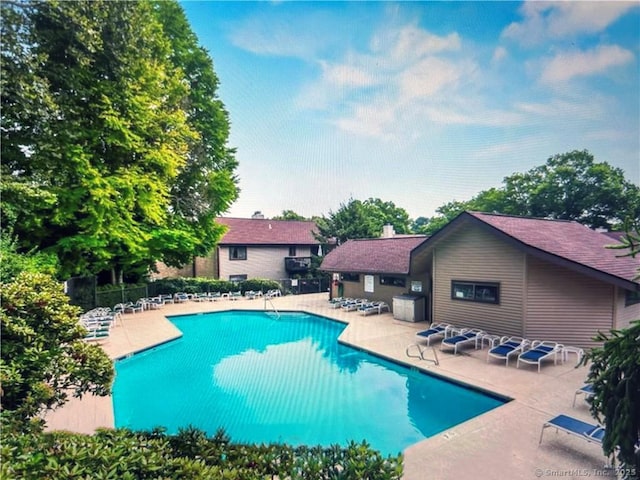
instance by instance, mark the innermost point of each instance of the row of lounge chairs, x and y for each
(361, 305)
(502, 348)
(98, 323)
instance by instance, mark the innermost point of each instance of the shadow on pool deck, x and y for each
(502, 443)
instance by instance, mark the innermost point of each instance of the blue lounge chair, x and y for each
(354, 305)
(573, 426)
(586, 390)
(439, 330)
(540, 351)
(374, 307)
(507, 347)
(464, 337)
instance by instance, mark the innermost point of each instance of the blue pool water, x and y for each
(287, 379)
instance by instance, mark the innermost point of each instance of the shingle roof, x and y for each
(258, 231)
(568, 240)
(379, 255)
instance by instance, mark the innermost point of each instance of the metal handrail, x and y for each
(421, 352)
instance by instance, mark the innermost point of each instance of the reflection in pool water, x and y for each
(287, 379)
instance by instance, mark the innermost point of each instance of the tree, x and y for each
(129, 150)
(289, 215)
(44, 359)
(206, 185)
(569, 186)
(615, 376)
(362, 219)
(573, 186)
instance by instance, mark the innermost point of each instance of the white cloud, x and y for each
(406, 44)
(499, 54)
(346, 75)
(553, 20)
(567, 65)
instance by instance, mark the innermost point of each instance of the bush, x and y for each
(44, 359)
(205, 285)
(190, 454)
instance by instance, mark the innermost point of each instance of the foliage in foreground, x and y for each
(44, 358)
(615, 375)
(190, 454)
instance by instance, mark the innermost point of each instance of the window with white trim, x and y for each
(483, 292)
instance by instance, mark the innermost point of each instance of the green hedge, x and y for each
(204, 285)
(190, 454)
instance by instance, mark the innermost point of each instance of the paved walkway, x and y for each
(502, 443)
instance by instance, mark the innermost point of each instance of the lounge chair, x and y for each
(180, 297)
(573, 426)
(167, 298)
(154, 303)
(340, 301)
(586, 390)
(274, 293)
(134, 307)
(434, 332)
(508, 347)
(97, 334)
(375, 307)
(235, 295)
(354, 305)
(463, 338)
(540, 351)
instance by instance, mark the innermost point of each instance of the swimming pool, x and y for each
(265, 378)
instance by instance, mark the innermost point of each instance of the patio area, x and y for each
(502, 443)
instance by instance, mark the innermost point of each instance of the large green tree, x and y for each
(122, 132)
(362, 219)
(569, 186)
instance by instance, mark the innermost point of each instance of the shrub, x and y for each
(44, 358)
(190, 454)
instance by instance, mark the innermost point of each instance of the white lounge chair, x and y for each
(437, 331)
(374, 307)
(508, 347)
(463, 338)
(540, 350)
(586, 390)
(578, 428)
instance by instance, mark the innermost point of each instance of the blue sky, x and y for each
(418, 103)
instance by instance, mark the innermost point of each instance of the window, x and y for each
(237, 278)
(484, 292)
(292, 251)
(631, 298)
(393, 281)
(350, 277)
(237, 253)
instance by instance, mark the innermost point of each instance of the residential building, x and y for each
(535, 278)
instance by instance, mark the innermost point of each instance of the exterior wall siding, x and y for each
(165, 271)
(625, 315)
(564, 306)
(475, 255)
(384, 293)
(206, 266)
(261, 262)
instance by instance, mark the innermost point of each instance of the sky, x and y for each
(417, 103)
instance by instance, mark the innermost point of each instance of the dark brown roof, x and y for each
(379, 255)
(258, 231)
(568, 241)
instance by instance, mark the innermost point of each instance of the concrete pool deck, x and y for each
(502, 443)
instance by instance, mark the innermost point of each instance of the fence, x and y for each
(305, 285)
(121, 294)
(82, 291)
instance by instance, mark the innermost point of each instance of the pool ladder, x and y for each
(267, 299)
(420, 353)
